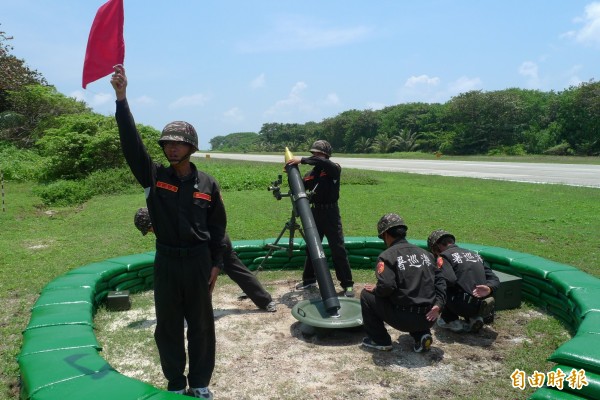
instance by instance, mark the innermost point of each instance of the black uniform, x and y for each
(324, 181)
(240, 274)
(189, 221)
(408, 285)
(463, 270)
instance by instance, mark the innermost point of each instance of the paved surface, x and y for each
(565, 174)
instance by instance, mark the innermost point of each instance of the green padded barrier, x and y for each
(565, 281)
(504, 268)
(298, 242)
(556, 302)
(148, 271)
(122, 278)
(355, 242)
(73, 281)
(562, 315)
(61, 314)
(553, 394)
(137, 288)
(107, 384)
(127, 285)
(134, 262)
(248, 245)
(366, 251)
(100, 296)
(474, 247)
(530, 289)
(579, 353)
(590, 391)
(63, 296)
(104, 270)
(543, 285)
(590, 324)
(58, 337)
(101, 286)
(585, 300)
(533, 299)
(500, 255)
(66, 364)
(538, 266)
(418, 242)
(251, 254)
(286, 254)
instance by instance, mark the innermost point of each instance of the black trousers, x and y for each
(181, 293)
(378, 310)
(329, 225)
(240, 274)
(459, 305)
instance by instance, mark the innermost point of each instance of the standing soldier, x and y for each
(470, 282)
(324, 182)
(189, 222)
(410, 290)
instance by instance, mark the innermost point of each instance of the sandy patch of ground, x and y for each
(266, 355)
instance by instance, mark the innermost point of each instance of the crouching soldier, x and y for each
(410, 290)
(470, 282)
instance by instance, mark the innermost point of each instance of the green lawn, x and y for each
(38, 244)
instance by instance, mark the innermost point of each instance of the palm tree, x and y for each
(406, 140)
(383, 143)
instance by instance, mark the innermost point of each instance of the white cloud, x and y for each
(293, 101)
(300, 33)
(422, 80)
(234, 114)
(590, 32)
(529, 69)
(189, 101)
(332, 99)
(95, 100)
(258, 82)
(144, 100)
(464, 84)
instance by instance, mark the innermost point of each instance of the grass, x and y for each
(556, 222)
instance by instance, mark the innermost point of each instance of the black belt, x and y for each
(180, 251)
(324, 205)
(414, 309)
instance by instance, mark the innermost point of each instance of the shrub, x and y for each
(19, 164)
(63, 193)
(563, 149)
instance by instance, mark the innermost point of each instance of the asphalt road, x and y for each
(564, 174)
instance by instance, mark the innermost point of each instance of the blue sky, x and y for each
(231, 65)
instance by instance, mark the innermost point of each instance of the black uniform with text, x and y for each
(189, 221)
(463, 270)
(408, 285)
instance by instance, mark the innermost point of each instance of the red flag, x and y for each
(106, 46)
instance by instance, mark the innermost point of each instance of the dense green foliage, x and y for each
(512, 122)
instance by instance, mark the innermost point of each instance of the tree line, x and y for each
(511, 121)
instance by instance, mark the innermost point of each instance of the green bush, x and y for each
(63, 193)
(19, 164)
(563, 149)
(112, 181)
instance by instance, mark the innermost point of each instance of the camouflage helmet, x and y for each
(179, 131)
(321, 146)
(436, 235)
(388, 221)
(142, 220)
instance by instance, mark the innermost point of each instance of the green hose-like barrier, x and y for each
(60, 357)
